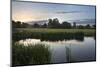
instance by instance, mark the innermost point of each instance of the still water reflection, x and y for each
(68, 50)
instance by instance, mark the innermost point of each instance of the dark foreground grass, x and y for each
(33, 54)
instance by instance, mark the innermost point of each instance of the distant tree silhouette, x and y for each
(16, 24)
(74, 24)
(55, 23)
(87, 26)
(44, 25)
(36, 25)
(19, 24)
(66, 25)
(94, 26)
(50, 23)
(13, 21)
(24, 25)
(80, 26)
(13, 24)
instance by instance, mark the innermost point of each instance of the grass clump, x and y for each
(32, 54)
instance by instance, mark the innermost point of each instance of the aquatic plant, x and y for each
(31, 54)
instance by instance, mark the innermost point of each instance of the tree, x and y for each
(80, 27)
(44, 25)
(66, 25)
(74, 24)
(50, 23)
(36, 25)
(94, 26)
(24, 25)
(13, 24)
(87, 26)
(16, 24)
(13, 21)
(55, 23)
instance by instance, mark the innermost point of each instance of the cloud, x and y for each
(65, 12)
(84, 21)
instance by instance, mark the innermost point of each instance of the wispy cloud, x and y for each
(84, 21)
(66, 12)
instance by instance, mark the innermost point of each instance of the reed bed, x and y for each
(32, 54)
(87, 32)
(51, 34)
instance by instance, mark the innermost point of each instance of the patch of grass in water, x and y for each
(32, 54)
(48, 36)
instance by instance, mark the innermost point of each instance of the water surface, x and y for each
(68, 50)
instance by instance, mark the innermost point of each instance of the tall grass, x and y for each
(33, 54)
(51, 36)
(87, 32)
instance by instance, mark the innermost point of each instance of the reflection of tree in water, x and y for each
(94, 37)
(69, 57)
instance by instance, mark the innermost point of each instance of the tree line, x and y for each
(52, 23)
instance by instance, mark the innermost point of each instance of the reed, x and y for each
(48, 35)
(32, 54)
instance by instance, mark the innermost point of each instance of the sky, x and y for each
(33, 11)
